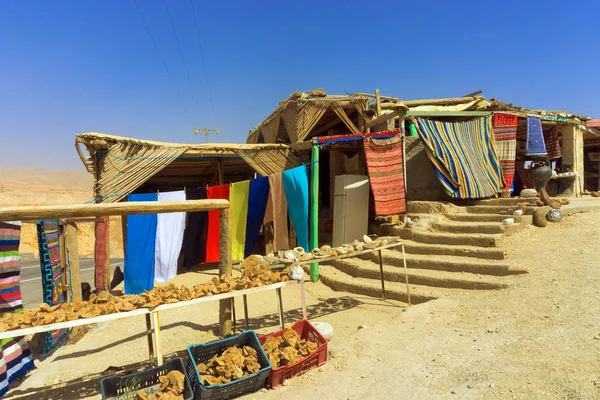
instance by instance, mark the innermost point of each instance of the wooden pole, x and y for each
(73, 259)
(378, 102)
(382, 277)
(314, 211)
(406, 275)
(225, 268)
(63, 262)
(405, 217)
(97, 210)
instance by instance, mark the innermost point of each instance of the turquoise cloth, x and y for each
(139, 248)
(295, 184)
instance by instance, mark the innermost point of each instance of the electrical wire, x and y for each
(162, 59)
(203, 62)
(187, 71)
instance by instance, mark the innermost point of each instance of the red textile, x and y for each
(386, 174)
(100, 253)
(213, 245)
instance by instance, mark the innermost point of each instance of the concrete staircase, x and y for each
(456, 248)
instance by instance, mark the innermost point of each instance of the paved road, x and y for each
(31, 278)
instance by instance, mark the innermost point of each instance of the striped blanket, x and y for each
(464, 156)
(386, 174)
(15, 356)
(505, 134)
(52, 291)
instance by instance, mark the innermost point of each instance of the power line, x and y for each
(162, 59)
(187, 71)
(203, 62)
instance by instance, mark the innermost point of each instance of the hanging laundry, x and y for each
(194, 237)
(52, 290)
(213, 246)
(535, 137)
(238, 202)
(257, 205)
(15, 356)
(463, 155)
(295, 184)
(169, 237)
(386, 173)
(139, 248)
(276, 212)
(552, 143)
(505, 135)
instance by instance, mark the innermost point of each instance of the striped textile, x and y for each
(52, 291)
(505, 134)
(386, 174)
(464, 156)
(552, 143)
(15, 356)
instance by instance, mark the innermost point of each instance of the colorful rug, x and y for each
(552, 143)
(464, 156)
(15, 356)
(386, 174)
(535, 137)
(52, 291)
(326, 140)
(505, 134)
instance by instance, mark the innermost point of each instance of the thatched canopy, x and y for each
(305, 115)
(124, 165)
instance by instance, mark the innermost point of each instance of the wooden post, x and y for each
(124, 232)
(63, 261)
(220, 172)
(378, 102)
(225, 268)
(382, 277)
(73, 259)
(102, 254)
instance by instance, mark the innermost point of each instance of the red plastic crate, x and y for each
(306, 331)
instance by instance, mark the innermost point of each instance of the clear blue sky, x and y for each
(76, 66)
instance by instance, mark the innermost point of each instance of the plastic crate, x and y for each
(202, 353)
(126, 387)
(319, 357)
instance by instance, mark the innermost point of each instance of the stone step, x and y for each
(457, 239)
(445, 263)
(340, 281)
(360, 268)
(468, 217)
(499, 210)
(488, 253)
(469, 227)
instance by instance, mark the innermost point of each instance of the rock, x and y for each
(528, 193)
(453, 391)
(362, 327)
(286, 382)
(469, 387)
(492, 385)
(539, 217)
(363, 376)
(321, 369)
(554, 215)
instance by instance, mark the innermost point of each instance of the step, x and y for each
(445, 263)
(468, 217)
(498, 210)
(469, 227)
(340, 281)
(488, 253)
(460, 239)
(360, 268)
(500, 201)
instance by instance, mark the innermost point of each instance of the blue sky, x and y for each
(76, 66)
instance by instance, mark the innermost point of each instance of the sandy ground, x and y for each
(29, 187)
(538, 339)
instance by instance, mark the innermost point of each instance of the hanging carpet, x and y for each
(535, 137)
(386, 174)
(52, 291)
(464, 156)
(505, 134)
(552, 143)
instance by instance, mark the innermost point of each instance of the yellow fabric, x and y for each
(238, 202)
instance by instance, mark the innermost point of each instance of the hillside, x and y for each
(30, 187)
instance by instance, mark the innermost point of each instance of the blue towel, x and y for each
(535, 137)
(139, 248)
(257, 205)
(295, 184)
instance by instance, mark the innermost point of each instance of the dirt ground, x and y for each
(537, 339)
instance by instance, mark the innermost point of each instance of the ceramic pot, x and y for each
(540, 173)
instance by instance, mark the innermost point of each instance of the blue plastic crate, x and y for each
(126, 387)
(202, 353)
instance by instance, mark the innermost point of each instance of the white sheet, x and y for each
(169, 237)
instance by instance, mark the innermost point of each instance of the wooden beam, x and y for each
(383, 118)
(73, 260)
(225, 268)
(97, 210)
(388, 106)
(437, 102)
(448, 113)
(478, 92)
(378, 102)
